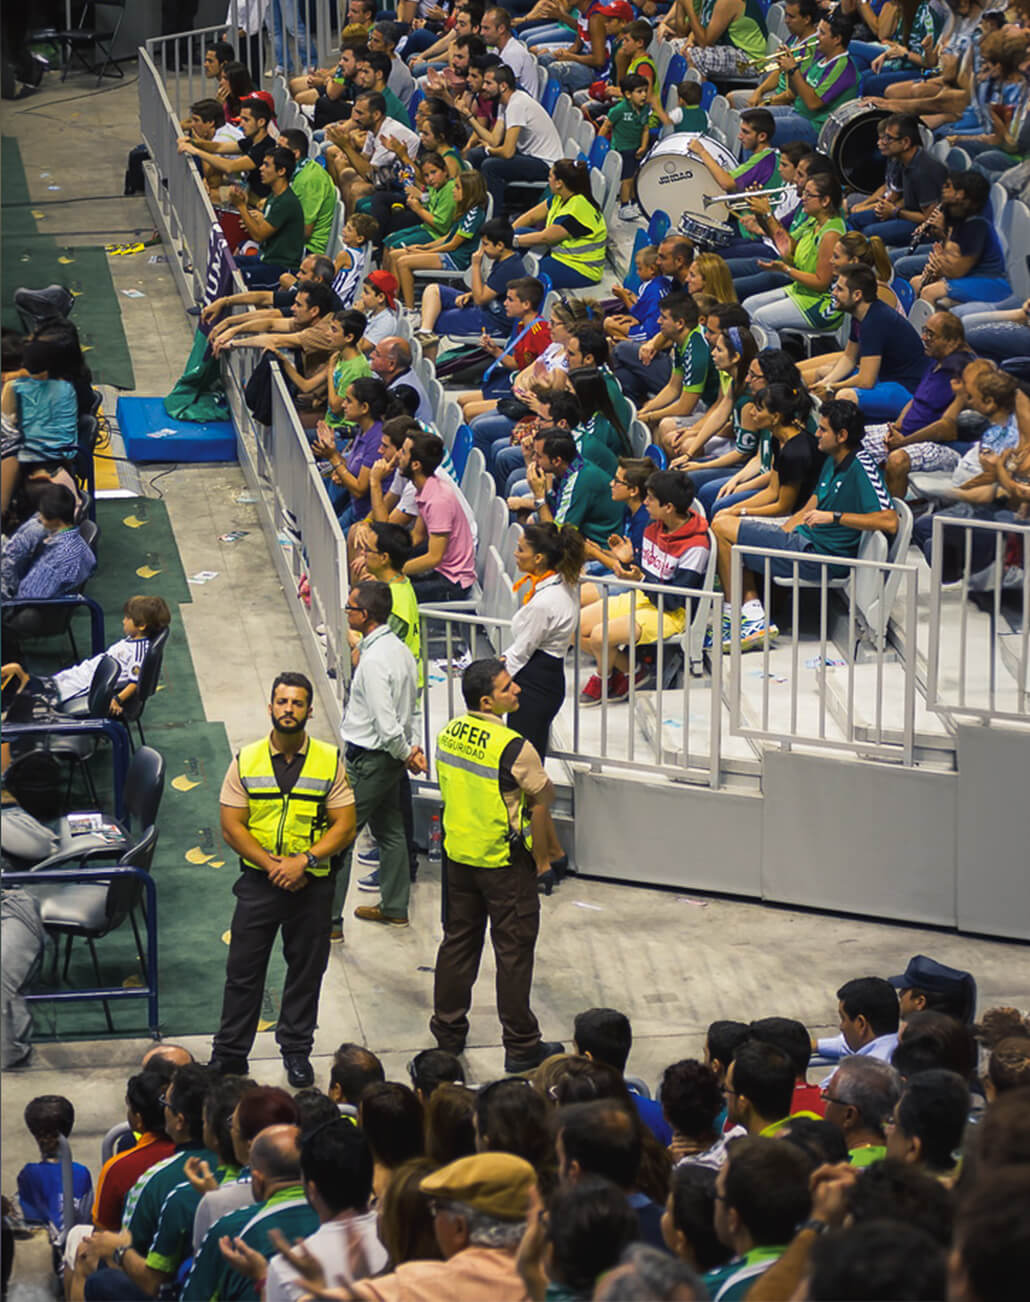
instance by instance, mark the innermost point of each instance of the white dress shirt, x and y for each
(380, 713)
(547, 622)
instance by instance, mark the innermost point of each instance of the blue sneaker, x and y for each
(369, 858)
(369, 883)
(752, 634)
(724, 633)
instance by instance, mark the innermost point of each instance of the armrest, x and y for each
(96, 614)
(83, 858)
(109, 728)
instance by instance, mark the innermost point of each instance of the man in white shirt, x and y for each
(336, 1163)
(379, 731)
(869, 1017)
(523, 142)
(359, 158)
(495, 29)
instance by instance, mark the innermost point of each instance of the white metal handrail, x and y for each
(991, 681)
(838, 724)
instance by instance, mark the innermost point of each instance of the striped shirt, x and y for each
(853, 486)
(835, 81)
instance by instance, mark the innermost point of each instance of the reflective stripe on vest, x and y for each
(288, 824)
(583, 253)
(476, 827)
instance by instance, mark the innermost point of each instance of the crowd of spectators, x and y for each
(902, 1174)
(430, 135)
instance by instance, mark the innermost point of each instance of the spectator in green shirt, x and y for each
(436, 209)
(278, 229)
(627, 124)
(314, 187)
(580, 491)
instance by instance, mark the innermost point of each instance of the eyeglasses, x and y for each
(359, 609)
(827, 1097)
(886, 135)
(928, 334)
(726, 1090)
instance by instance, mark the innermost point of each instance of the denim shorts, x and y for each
(759, 533)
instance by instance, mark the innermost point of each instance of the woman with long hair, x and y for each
(364, 406)
(234, 86)
(709, 274)
(549, 560)
(804, 304)
(733, 351)
(451, 251)
(603, 423)
(574, 230)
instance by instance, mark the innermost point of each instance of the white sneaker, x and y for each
(629, 212)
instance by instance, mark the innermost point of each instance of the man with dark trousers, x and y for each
(287, 811)
(497, 834)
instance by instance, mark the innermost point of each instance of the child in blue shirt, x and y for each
(640, 320)
(39, 1183)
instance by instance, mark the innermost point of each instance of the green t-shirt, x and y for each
(598, 441)
(468, 228)
(314, 188)
(694, 119)
(290, 1213)
(731, 1282)
(285, 246)
(173, 1238)
(584, 498)
(142, 1210)
(628, 124)
(853, 487)
(867, 1155)
(201, 1282)
(692, 361)
(394, 107)
(442, 207)
(344, 371)
(816, 304)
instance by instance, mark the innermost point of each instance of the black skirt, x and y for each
(542, 680)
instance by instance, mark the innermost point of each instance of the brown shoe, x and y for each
(374, 913)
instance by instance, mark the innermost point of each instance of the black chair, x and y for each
(146, 685)
(84, 39)
(96, 704)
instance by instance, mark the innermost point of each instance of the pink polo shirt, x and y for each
(439, 507)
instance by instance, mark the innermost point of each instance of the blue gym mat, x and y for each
(150, 434)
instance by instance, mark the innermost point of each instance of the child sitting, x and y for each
(40, 417)
(378, 301)
(143, 618)
(361, 229)
(434, 206)
(627, 124)
(39, 1183)
(453, 251)
(640, 320)
(445, 311)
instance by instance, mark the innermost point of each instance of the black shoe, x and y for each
(560, 868)
(299, 1071)
(227, 1066)
(547, 881)
(195, 310)
(50, 304)
(516, 1064)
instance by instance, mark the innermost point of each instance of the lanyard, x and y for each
(511, 346)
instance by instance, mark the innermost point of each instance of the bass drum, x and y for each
(670, 181)
(850, 136)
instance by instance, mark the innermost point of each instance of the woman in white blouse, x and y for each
(544, 626)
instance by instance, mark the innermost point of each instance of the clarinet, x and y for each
(917, 234)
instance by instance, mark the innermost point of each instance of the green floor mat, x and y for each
(32, 258)
(193, 868)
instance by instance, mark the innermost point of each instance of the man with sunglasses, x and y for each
(911, 188)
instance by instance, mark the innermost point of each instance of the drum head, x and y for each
(851, 138)
(671, 181)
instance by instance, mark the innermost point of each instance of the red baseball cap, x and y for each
(386, 283)
(616, 9)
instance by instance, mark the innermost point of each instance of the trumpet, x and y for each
(772, 60)
(742, 200)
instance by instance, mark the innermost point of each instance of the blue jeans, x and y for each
(910, 264)
(570, 76)
(790, 125)
(876, 83)
(637, 381)
(763, 533)
(288, 17)
(509, 469)
(498, 172)
(862, 53)
(999, 340)
(760, 282)
(465, 320)
(547, 33)
(992, 162)
(487, 429)
(260, 275)
(894, 231)
(711, 492)
(562, 276)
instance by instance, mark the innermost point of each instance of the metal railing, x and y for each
(978, 662)
(629, 734)
(180, 56)
(887, 683)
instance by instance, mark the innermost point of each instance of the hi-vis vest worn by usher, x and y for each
(476, 828)
(288, 824)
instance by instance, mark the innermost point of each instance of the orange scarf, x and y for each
(534, 581)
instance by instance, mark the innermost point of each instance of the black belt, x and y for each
(352, 751)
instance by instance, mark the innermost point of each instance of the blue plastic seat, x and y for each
(462, 448)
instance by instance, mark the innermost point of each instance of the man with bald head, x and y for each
(279, 1203)
(390, 359)
(171, 1053)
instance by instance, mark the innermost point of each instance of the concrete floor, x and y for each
(672, 962)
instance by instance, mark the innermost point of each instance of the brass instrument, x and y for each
(741, 201)
(798, 51)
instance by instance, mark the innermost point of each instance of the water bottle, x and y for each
(435, 840)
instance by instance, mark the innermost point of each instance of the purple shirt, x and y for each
(364, 452)
(933, 395)
(439, 507)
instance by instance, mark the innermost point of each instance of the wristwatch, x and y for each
(836, 516)
(312, 860)
(539, 501)
(118, 1256)
(816, 1226)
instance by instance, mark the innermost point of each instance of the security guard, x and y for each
(286, 810)
(497, 831)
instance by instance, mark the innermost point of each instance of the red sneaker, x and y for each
(618, 686)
